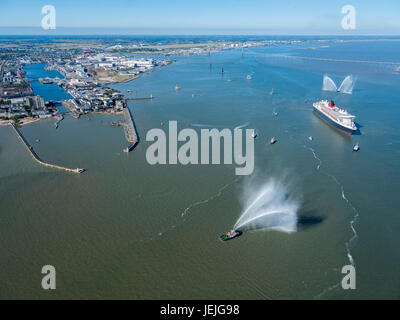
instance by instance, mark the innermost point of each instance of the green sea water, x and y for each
(126, 229)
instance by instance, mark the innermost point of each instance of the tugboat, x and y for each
(356, 147)
(231, 235)
(272, 141)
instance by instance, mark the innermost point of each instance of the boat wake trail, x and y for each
(242, 126)
(181, 221)
(201, 125)
(198, 203)
(316, 157)
(268, 207)
(352, 221)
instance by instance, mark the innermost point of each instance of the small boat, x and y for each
(229, 80)
(79, 170)
(248, 77)
(356, 147)
(271, 92)
(273, 140)
(275, 113)
(310, 138)
(254, 134)
(177, 88)
(193, 95)
(222, 72)
(37, 140)
(230, 235)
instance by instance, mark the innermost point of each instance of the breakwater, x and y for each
(131, 134)
(36, 157)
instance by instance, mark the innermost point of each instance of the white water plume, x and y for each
(346, 87)
(269, 207)
(328, 84)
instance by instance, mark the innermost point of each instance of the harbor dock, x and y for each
(36, 157)
(141, 98)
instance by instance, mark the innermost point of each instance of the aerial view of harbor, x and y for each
(205, 164)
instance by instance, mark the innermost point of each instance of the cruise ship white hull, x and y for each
(332, 120)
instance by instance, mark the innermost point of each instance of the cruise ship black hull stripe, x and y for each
(333, 123)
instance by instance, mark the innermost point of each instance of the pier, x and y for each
(36, 157)
(59, 119)
(141, 98)
(131, 134)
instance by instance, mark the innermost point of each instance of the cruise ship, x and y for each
(335, 116)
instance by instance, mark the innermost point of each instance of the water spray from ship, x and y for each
(346, 86)
(268, 206)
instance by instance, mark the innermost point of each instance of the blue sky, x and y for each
(201, 16)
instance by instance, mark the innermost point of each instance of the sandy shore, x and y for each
(21, 122)
(4, 123)
(25, 121)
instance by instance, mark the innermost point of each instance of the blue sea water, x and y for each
(47, 91)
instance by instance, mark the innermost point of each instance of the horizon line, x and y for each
(203, 34)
